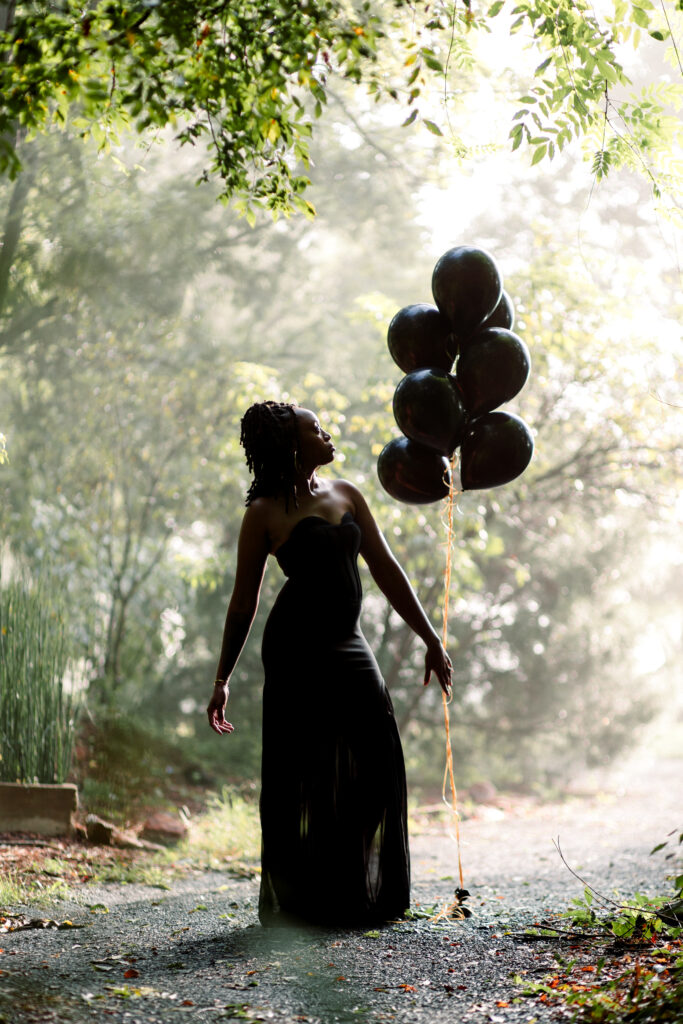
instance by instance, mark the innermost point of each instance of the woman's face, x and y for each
(315, 445)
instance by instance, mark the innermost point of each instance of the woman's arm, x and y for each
(252, 552)
(395, 585)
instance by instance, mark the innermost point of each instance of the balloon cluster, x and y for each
(439, 410)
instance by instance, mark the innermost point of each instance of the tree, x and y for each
(250, 77)
(124, 402)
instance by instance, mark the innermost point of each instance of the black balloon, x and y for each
(496, 448)
(492, 369)
(467, 288)
(429, 408)
(503, 315)
(420, 336)
(412, 473)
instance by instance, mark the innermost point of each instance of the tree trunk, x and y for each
(19, 193)
(6, 16)
(12, 232)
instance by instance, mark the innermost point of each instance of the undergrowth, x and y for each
(124, 769)
(224, 837)
(627, 962)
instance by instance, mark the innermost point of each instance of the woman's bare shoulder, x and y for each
(258, 515)
(351, 493)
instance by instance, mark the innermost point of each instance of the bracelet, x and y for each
(223, 682)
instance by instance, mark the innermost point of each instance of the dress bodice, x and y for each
(319, 559)
(315, 537)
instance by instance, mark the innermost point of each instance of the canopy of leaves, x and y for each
(251, 76)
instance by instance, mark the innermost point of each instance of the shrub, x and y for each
(37, 713)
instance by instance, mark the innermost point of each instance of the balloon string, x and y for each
(448, 775)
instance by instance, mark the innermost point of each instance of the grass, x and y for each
(155, 874)
(20, 890)
(37, 715)
(227, 831)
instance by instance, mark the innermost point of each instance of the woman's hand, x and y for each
(216, 709)
(437, 661)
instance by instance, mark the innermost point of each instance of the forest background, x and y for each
(139, 318)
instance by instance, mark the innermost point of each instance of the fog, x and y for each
(140, 318)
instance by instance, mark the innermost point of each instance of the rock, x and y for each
(99, 831)
(164, 828)
(483, 793)
(129, 841)
(104, 833)
(80, 832)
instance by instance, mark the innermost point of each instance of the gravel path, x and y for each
(144, 956)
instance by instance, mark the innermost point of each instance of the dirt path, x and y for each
(144, 956)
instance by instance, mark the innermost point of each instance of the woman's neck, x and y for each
(307, 485)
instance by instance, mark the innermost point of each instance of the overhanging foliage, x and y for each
(250, 77)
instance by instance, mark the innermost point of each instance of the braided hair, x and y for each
(270, 441)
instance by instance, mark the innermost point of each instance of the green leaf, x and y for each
(433, 63)
(409, 120)
(495, 9)
(433, 128)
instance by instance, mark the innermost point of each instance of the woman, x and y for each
(333, 796)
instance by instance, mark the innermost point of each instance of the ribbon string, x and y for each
(452, 910)
(448, 775)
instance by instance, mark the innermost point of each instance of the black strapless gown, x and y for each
(333, 796)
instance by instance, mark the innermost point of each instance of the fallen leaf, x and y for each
(131, 973)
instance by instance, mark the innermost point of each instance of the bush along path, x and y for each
(140, 953)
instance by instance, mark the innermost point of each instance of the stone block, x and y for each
(42, 808)
(164, 828)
